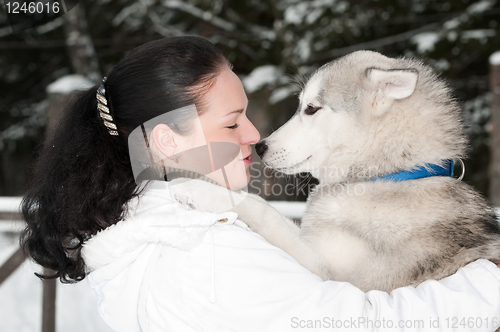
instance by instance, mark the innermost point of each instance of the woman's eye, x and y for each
(233, 126)
(310, 110)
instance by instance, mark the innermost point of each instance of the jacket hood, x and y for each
(153, 217)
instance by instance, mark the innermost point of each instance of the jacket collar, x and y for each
(153, 217)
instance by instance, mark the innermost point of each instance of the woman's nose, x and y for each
(250, 135)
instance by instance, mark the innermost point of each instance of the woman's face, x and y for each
(224, 120)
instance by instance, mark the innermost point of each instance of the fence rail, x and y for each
(10, 218)
(11, 221)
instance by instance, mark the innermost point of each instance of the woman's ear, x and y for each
(163, 141)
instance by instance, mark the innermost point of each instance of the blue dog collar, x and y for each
(420, 172)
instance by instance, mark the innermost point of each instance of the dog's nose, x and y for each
(261, 148)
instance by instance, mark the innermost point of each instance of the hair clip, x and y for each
(102, 103)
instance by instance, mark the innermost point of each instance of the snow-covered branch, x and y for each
(373, 43)
(201, 14)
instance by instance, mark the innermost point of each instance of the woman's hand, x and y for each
(204, 196)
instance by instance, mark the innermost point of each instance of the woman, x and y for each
(159, 267)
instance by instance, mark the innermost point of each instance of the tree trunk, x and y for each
(82, 55)
(494, 190)
(79, 44)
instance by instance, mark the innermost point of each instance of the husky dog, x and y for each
(362, 119)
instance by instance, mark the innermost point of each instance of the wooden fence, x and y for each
(10, 221)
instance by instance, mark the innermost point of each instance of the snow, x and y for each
(13, 226)
(295, 14)
(5, 31)
(425, 41)
(480, 7)
(69, 83)
(196, 12)
(20, 308)
(495, 59)
(21, 294)
(293, 210)
(14, 132)
(478, 34)
(296, 209)
(126, 12)
(260, 77)
(9, 204)
(451, 24)
(51, 25)
(452, 36)
(442, 64)
(314, 15)
(282, 93)
(303, 47)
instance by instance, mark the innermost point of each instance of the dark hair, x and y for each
(83, 177)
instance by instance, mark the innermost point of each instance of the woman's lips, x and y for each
(248, 160)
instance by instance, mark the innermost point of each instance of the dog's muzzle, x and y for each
(261, 148)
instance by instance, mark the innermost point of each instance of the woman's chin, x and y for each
(237, 178)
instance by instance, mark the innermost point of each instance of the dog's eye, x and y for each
(310, 110)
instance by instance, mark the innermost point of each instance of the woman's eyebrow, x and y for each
(237, 111)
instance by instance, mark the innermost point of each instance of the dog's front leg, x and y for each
(255, 212)
(280, 232)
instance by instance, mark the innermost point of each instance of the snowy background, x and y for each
(21, 292)
(21, 299)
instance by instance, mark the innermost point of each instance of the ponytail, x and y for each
(80, 184)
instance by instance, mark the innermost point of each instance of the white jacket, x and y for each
(165, 268)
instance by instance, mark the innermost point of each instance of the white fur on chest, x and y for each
(343, 252)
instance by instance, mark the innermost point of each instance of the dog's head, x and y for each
(366, 115)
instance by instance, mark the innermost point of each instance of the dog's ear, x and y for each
(390, 85)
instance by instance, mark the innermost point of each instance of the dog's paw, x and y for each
(185, 200)
(204, 196)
